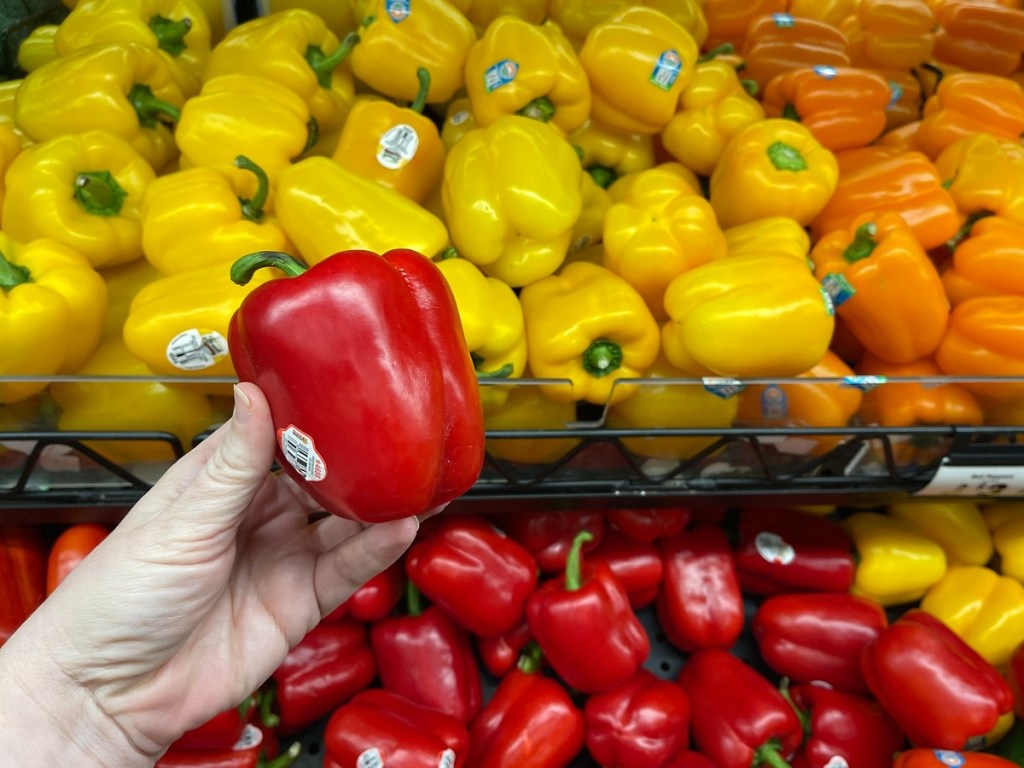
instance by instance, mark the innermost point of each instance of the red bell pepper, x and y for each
(785, 550)
(369, 380)
(636, 563)
(428, 658)
(649, 523)
(1015, 677)
(22, 575)
(549, 535)
(818, 636)
(938, 689)
(499, 654)
(70, 548)
(246, 753)
(529, 721)
(944, 758)
(841, 725)
(382, 728)
(480, 576)
(378, 597)
(330, 664)
(221, 731)
(585, 626)
(738, 719)
(690, 759)
(641, 723)
(699, 605)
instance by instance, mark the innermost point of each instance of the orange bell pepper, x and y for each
(844, 107)
(884, 286)
(985, 174)
(728, 19)
(967, 103)
(988, 262)
(830, 11)
(906, 183)
(905, 98)
(986, 338)
(890, 34)
(779, 42)
(906, 403)
(981, 37)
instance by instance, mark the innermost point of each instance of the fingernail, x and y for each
(243, 406)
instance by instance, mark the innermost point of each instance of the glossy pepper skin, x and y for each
(608, 155)
(643, 722)
(967, 103)
(517, 67)
(906, 403)
(737, 731)
(578, 17)
(388, 729)
(986, 262)
(808, 636)
(124, 89)
(778, 43)
(69, 549)
(986, 37)
(246, 753)
(933, 758)
(379, 596)
(728, 20)
(938, 690)
(638, 61)
(982, 341)
(94, 211)
(54, 305)
(772, 167)
(956, 524)
(983, 175)
(549, 535)
(588, 325)
(512, 193)
(890, 34)
(648, 524)
(637, 564)
(22, 574)
(421, 346)
(473, 571)
(37, 48)
(500, 654)
(588, 601)
(699, 604)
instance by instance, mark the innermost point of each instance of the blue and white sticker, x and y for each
(397, 146)
(863, 383)
(667, 69)
(397, 10)
(499, 74)
(774, 403)
(722, 387)
(784, 20)
(830, 306)
(896, 93)
(825, 71)
(949, 757)
(838, 289)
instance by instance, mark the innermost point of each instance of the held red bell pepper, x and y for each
(478, 575)
(940, 691)
(69, 549)
(383, 422)
(330, 664)
(427, 658)
(549, 535)
(641, 723)
(22, 575)
(649, 524)
(742, 720)
(379, 596)
(530, 720)
(818, 636)
(500, 654)
(944, 758)
(585, 626)
(786, 550)
(381, 728)
(637, 564)
(840, 725)
(699, 605)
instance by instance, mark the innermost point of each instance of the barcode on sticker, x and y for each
(447, 759)
(194, 350)
(666, 70)
(723, 388)
(397, 10)
(250, 737)
(397, 146)
(300, 451)
(370, 758)
(499, 74)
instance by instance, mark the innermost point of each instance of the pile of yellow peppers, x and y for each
(666, 190)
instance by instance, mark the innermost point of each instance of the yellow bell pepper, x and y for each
(607, 155)
(482, 13)
(340, 17)
(1005, 519)
(773, 167)
(664, 401)
(179, 29)
(512, 193)
(38, 48)
(527, 407)
(123, 89)
(325, 208)
(8, 94)
(897, 564)
(52, 307)
(123, 283)
(772, 235)
(397, 147)
(295, 49)
(956, 525)
(589, 228)
(638, 61)
(492, 321)
(136, 406)
(399, 37)
(578, 17)
(10, 147)
(83, 190)
(984, 609)
(527, 69)
(589, 326)
(656, 230)
(457, 123)
(244, 115)
(713, 107)
(985, 174)
(756, 316)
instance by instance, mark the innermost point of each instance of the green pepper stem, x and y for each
(324, 64)
(252, 208)
(99, 193)
(413, 599)
(786, 157)
(451, 252)
(170, 34)
(247, 705)
(499, 373)
(541, 108)
(965, 231)
(530, 658)
(602, 357)
(789, 113)
(750, 86)
(312, 134)
(420, 103)
(802, 716)
(863, 244)
(285, 759)
(573, 564)
(719, 50)
(149, 108)
(768, 754)
(243, 269)
(268, 718)
(602, 175)
(12, 275)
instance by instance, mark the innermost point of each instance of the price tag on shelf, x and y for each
(975, 480)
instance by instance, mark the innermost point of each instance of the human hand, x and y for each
(195, 598)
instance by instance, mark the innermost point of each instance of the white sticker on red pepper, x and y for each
(370, 758)
(300, 451)
(837, 761)
(250, 737)
(774, 548)
(195, 349)
(398, 146)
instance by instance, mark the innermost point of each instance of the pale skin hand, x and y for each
(186, 608)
